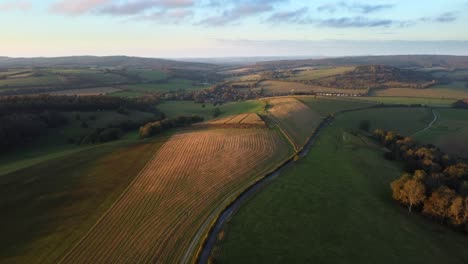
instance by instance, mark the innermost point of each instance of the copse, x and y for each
(154, 128)
(435, 184)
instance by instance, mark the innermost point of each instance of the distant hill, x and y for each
(400, 61)
(108, 61)
(377, 77)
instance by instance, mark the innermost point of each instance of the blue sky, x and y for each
(217, 28)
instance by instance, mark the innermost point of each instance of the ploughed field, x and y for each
(251, 120)
(190, 178)
(295, 119)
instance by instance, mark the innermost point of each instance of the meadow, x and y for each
(187, 108)
(449, 132)
(335, 206)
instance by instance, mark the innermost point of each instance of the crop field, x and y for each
(440, 92)
(48, 206)
(281, 87)
(326, 106)
(192, 176)
(243, 120)
(449, 132)
(335, 206)
(188, 108)
(295, 118)
(313, 74)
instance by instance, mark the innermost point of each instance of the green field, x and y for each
(407, 100)
(449, 132)
(188, 108)
(335, 206)
(170, 85)
(149, 75)
(326, 106)
(48, 207)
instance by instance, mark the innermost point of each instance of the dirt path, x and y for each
(436, 117)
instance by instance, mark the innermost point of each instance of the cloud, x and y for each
(73, 7)
(356, 22)
(297, 16)
(240, 10)
(15, 5)
(354, 7)
(169, 16)
(446, 17)
(137, 7)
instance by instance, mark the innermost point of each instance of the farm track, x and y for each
(190, 176)
(429, 126)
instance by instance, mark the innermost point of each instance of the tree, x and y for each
(415, 193)
(216, 112)
(409, 190)
(456, 211)
(439, 202)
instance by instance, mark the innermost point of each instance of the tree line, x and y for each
(25, 118)
(40, 103)
(154, 128)
(434, 183)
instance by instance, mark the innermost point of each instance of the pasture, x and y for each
(326, 106)
(47, 207)
(449, 132)
(191, 177)
(173, 109)
(335, 206)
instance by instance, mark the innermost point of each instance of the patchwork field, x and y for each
(285, 87)
(190, 178)
(335, 206)
(294, 117)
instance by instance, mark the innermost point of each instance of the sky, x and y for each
(235, 28)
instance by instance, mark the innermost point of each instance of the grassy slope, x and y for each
(449, 132)
(334, 206)
(47, 207)
(188, 108)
